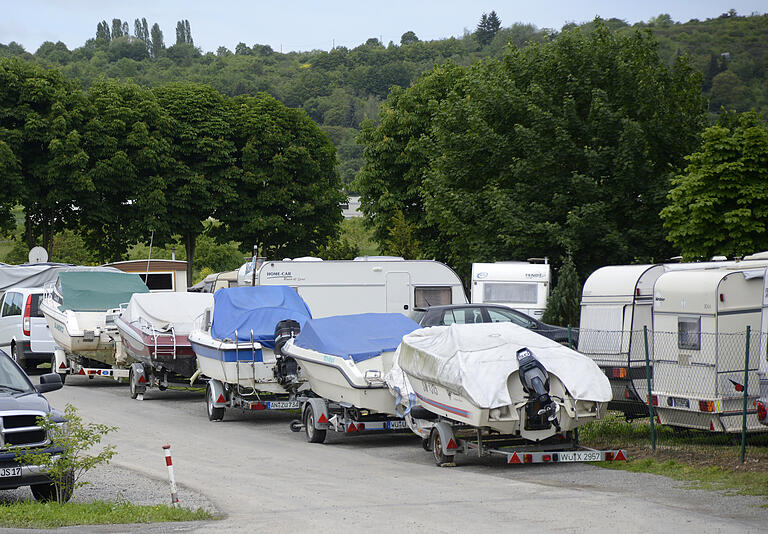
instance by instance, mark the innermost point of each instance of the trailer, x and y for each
(365, 284)
(521, 285)
(73, 364)
(446, 438)
(700, 320)
(223, 395)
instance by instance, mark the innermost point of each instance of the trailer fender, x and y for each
(138, 372)
(218, 392)
(448, 441)
(320, 409)
(59, 362)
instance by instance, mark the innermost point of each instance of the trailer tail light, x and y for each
(654, 400)
(360, 426)
(762, 412)
(706, 406)
(27, 315)
(546, 458)
(528, 458)
(619, 372)
(608, 456)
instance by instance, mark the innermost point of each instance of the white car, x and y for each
(24, 332)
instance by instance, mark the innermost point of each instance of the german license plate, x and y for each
(7, 472)
(284, 405)
(397, 425)
(579, 456)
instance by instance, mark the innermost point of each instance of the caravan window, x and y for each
(689, 333)
(510, 292)
(158, 281)
(424, 297)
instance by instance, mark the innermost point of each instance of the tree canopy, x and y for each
(719, 204)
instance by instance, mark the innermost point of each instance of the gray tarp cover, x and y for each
(29, 275)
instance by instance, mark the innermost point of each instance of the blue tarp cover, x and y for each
(257, 308)
(355, 337)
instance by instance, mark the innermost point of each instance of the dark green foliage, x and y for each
(719, 204)
(10, 170)
(487, 28)
(102, 32)
(408, 38)
(158, 46)
(563, 306)
(183, 33)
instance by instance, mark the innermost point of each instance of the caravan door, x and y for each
(398, 292)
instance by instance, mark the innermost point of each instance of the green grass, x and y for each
(32, 514)
(700, 477)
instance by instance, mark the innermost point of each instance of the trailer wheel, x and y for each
(214, 413)
(54, 370)
(441, 459)
(314, 435)
(133, 384)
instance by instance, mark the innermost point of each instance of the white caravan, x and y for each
(365, 285)
(762, 369)
(521, 285)
(699, 343)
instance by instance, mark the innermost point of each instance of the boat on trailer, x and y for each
(464, 386)
(238, 349)
(154, 329)
(81, 309)
(344, 358)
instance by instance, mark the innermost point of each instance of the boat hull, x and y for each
(341, 380)
(246, 364)
(82, 333)
(172, 351)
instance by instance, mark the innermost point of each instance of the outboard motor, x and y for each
(286, 369)
(541, 410)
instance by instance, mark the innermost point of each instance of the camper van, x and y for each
(521, 285)
(365, 284)
(160, 276)
(215, 281)
(700, 320)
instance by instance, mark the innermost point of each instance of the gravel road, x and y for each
(259, 475)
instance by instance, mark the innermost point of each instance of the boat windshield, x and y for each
(12, 379)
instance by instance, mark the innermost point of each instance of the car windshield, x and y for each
(11, 377)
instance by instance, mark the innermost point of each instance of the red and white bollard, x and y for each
(169, 463)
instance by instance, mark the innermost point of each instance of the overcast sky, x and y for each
(306, 25)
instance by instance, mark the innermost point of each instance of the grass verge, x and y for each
(704, 459)
(32, 514)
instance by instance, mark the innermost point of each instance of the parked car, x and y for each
(487, 313)
(21, 403)
(24, 332)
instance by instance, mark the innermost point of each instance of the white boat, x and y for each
(500, 377)
(237, 347)
(81, 308)
(345, 357)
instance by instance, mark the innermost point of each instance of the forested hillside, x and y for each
(342, 87)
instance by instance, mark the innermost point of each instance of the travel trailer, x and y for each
(521, 285)
(365, 284)
(213, 282)
(159, 275)
(700, 320)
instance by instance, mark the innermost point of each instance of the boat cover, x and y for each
(355, 337)
(163, 310)
(97, 290)
(257, 309)
(29, 275)
(475, 361)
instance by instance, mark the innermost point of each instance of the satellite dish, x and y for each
(38, 255)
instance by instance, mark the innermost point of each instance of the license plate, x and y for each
(284, 405)
(7, 472)
(579, 456)
(680, 403)
(398, 425)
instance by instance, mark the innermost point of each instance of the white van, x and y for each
(366, 284)
(24, 332)
(520, 285)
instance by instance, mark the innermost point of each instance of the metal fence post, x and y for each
(746, 393)
(650, 397)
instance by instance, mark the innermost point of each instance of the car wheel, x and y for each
(52, 490)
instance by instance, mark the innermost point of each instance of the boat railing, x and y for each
(161, 349)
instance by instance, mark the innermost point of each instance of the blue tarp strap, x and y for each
(399, 397)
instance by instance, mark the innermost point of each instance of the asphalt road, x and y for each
(263, 477)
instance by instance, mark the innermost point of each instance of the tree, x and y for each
(402, 240)
(129, 159)
(719, 204)
(199, 130)
(10, 170)
(141, 31)
(289, 193)
(102, 32)
(158, 46)
(395, 154)
(563, 306)
(41, 127)
(487, 28)
(183, 33)
(117, 28)
(408, 38)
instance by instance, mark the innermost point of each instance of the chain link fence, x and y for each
(686, 394)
